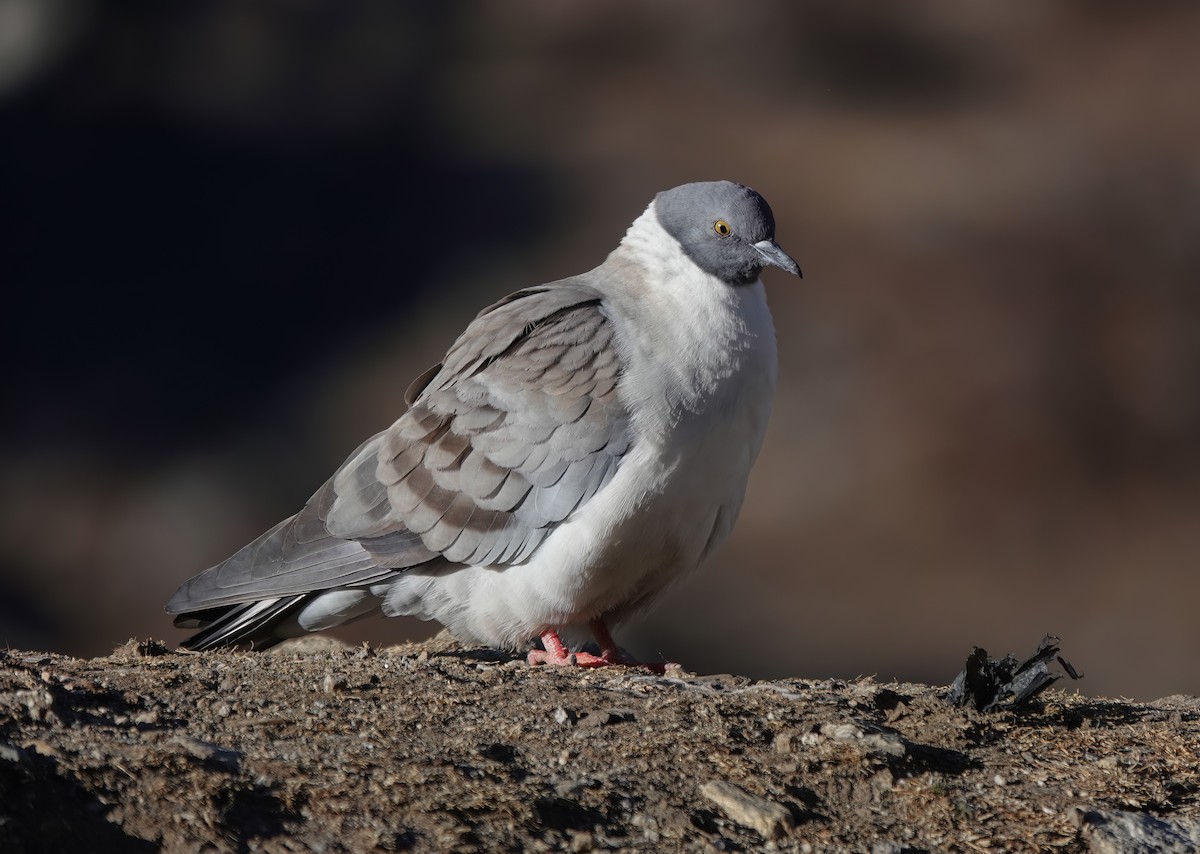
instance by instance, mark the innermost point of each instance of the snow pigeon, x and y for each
(583, 444)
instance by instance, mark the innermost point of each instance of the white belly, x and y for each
(650, 525)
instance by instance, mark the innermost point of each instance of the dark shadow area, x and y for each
(1100, 714)
(508, 757)
(480, 654)
(919, 758)
(253, 811)
(168, 315)
(554, 813)
(44, 813)
(807, 805)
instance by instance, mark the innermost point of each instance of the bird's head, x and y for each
(727, 229)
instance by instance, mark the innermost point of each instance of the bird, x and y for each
(583, 444)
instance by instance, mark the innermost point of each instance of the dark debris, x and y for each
(991, 684)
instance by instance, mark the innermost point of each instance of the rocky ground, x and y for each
(433, 747)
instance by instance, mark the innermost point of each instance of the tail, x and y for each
(250, 625)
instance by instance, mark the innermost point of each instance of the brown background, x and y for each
(234, 234)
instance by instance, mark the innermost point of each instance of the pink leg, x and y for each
(608, 646)
(556, 652)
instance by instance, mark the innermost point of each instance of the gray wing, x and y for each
(520, 425)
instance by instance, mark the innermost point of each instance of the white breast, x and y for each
(698, 376)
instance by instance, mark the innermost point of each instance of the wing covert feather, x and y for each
(518, 427)
(518, 453)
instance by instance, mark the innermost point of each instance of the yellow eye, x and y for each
(721, 227)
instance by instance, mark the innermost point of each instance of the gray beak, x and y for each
(776, 257)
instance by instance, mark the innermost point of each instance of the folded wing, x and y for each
(516, 429)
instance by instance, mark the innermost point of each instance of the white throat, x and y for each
(699, 337)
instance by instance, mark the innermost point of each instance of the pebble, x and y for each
(874, 742)
(889, 745)
(770, 819)
(841, 732)
(607, 717)
(208, 752)
(1122, 831)
(10, 753)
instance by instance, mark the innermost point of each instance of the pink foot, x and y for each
(557, 654)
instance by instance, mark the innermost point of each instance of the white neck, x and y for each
(697, 334)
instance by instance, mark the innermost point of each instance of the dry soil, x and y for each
(434, 747)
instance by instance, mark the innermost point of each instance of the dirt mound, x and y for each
(434, 747)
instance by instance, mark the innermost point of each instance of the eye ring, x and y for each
(722, 228)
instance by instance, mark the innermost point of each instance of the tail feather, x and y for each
(249, 624)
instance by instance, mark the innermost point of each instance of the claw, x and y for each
(556, 653)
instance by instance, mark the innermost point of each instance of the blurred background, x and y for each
(233, 233)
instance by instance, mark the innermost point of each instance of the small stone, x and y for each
(570, 788)
(9, 753)
(887, 744)
(207, 752)
(841, 732)
(606, 717)
(1119, 831)
(768, 818)
(196, 747)
(42, 748)
(783, 743)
